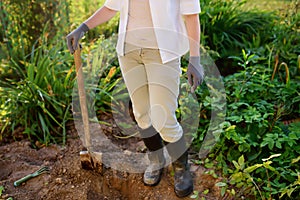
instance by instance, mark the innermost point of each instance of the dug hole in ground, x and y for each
(69, 181)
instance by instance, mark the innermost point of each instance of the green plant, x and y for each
(241, 177)
(33, 62)
(255, 127)
(290, 189)
(39, 100)
(1, 190)
(22, 22)
(227, 28)
(196, 194)
(285, 37)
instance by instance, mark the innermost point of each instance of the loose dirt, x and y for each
(67, 179)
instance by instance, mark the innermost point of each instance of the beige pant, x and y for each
(153, 88)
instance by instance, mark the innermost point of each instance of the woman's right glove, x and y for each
(195, 72)
(74, 37)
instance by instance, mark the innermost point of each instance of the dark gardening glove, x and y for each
(195, 72)
(74, 37)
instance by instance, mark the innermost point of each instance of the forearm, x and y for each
(101, 16)
(193, 30)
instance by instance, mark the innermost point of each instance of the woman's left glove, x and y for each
(195, 72)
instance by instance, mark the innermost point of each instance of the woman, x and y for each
(153, 35)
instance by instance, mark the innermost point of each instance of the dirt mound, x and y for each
(67, 180)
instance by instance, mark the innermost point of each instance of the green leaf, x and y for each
(235, 118)
(264, 143)
(293, 136)
(270, 167)
(237, 177)
(290, 191)
(209, 165)
(205, 191)
(221, 184)
(271, 144)
(267, 165)
(295, 160)
(223, 191)
(195, 195)
(241, 162)
(236, 165)
(1, 190)
(233, 192)
(252, 168)
(278, 144)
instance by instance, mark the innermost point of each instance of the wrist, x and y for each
(84, 27)
(194, 60)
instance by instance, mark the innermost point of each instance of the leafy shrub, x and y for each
(256, 150)
(22, 22)
(39, 101)
(36, 74)
(257, 106)
(36, 78)
(285, 37)
(226, 28)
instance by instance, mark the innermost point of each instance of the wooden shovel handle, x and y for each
(82, 97)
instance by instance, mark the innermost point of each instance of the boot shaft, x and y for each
(152, 139)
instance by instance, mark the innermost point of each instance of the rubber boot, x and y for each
(183, 181)
(153, 142)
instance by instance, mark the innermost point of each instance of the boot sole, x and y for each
(181, 194)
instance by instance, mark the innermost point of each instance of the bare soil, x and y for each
(67, 179)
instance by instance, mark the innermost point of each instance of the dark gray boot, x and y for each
(183, 181)
(154, 144)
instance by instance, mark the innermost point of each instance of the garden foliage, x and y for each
(259, 146)
(257, 53)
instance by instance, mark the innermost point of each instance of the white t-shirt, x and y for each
(169, 28)
(140, 32)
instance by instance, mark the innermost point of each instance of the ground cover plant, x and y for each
(259, 148)
(256, 50)
(255, 130)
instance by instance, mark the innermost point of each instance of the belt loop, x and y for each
(141, 51)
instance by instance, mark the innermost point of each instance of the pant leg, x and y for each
(163, 80)
(135, 78)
